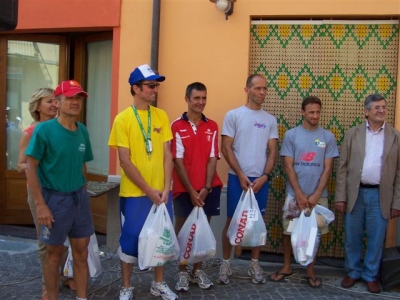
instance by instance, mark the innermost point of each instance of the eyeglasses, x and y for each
(151, 85)
(378, 108)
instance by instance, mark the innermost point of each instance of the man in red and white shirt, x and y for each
(195, 180)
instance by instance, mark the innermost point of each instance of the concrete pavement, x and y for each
(20, 279)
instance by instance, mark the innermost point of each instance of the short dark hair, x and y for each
(139, 84)
(310, 100)
(249, 80)
(372, 98)
(198, 86)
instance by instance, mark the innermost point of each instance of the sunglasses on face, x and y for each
(151, 85)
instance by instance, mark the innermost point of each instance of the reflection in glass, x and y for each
(30, 65)
(98, 104)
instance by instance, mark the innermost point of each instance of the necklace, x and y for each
(146, 137)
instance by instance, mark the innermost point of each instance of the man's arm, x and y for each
(227, 151)
(168, 165)
(269, 165)
(323, 182)
(288, 166)
(340, 201)
(184, 178)
(134, 175)
(44, 214)
(395, 208)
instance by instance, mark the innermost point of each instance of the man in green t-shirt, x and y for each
(57, 154)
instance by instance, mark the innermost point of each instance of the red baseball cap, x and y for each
(69, 88)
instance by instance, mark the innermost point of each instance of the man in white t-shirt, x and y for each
(249, 145)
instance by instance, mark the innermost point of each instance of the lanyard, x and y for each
(147, 139)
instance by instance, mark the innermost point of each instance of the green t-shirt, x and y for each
(61, 154)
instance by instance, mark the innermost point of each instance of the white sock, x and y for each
(255, 260)
(227, 260)
(81, 298)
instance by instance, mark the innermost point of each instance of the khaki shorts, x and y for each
(323, 229)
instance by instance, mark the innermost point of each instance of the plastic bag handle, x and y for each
(250, 190)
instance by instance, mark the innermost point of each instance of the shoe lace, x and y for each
(257, 268)
(183, 278)
(126, 291)
(202, 276)
(224, 268)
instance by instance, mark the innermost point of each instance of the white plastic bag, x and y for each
(291, 209)
(93, 259)
(196, 239)
(324, 216)
(68, 270)
(247, 227)
(305, 238)
(157, 240)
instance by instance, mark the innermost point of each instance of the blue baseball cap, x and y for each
(144, 72)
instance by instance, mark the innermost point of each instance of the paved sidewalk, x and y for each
(20, 279)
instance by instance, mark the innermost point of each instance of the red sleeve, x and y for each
(30, 130)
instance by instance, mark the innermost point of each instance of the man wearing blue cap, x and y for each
(141, 134)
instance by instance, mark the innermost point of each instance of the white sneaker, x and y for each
(162, 289)
(126, 293)
(256, 272)
(224, 272)
(201, 279)
(182, 285)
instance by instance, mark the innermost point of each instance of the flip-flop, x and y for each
(277, 273)
(313, 282)
(44, 293)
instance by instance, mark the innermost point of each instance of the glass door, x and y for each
(30, 62)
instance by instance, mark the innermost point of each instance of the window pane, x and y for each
(30, 65)
(98, 104)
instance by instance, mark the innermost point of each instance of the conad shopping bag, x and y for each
(196, 239)
(305, 238)
(157, 240)
(93, 259)
(247, 227)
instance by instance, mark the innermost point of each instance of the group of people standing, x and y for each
(154, 155)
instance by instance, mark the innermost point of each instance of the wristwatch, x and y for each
(207, 189)
(266, 174)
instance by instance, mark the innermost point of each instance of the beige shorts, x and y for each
(324, 229)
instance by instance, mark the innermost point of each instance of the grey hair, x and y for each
(372, 98)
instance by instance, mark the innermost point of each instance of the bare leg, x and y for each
(158, 274)
(81, 270)
(51, 270)
(226, 245)
(179, 221)
(126, 269)
(287, 256)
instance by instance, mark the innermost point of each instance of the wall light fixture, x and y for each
(226, 6)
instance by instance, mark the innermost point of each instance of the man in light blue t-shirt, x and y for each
(308, 151)
(249, 145)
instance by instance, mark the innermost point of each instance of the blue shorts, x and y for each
(183, 205)
(133, 213)
(71, 214)
(234, 191)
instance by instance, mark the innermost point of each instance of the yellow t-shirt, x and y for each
(126, 133)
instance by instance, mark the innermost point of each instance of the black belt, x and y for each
(369, 186)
